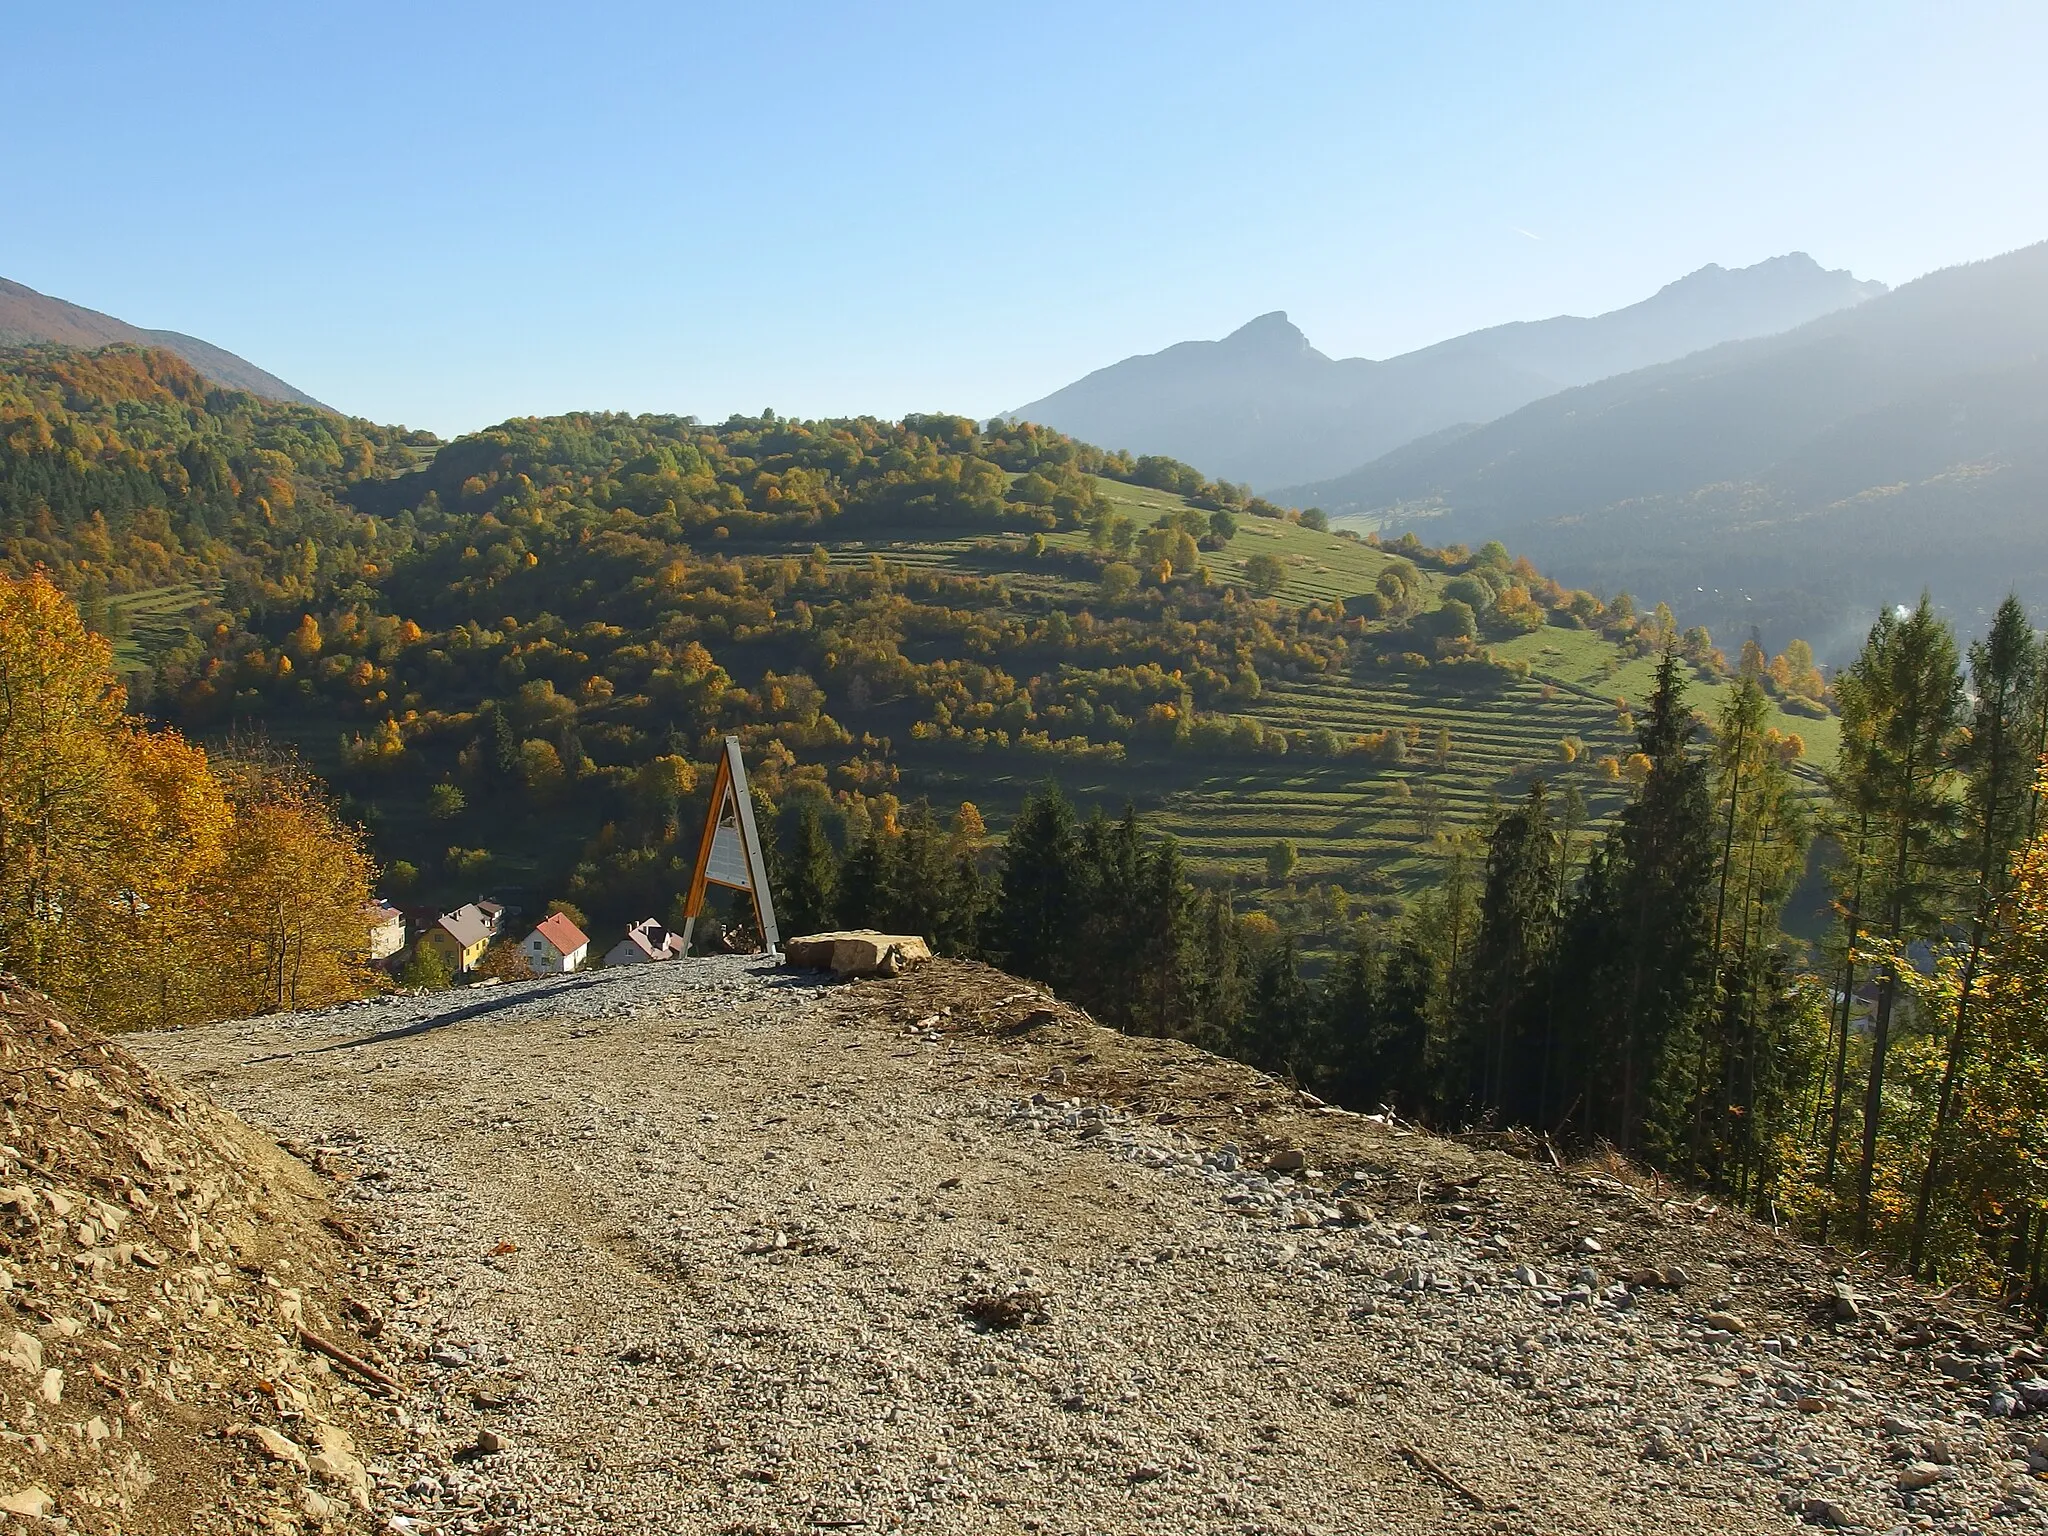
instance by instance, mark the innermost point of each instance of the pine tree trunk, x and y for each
(1842, 1035)
(1873, 1097)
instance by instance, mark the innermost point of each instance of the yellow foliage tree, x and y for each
(2004, 1120)
(293, 885)
(66, 797)
(136, 885)
(174, 856)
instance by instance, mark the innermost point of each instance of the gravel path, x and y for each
(714, 1247)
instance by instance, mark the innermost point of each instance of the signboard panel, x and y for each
(730, 852)
(728, 862)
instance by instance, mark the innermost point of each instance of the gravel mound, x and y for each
(716, 1247)
(162, 1268)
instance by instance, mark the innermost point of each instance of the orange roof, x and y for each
(563, 934)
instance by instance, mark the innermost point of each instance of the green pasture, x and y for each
(156, 618)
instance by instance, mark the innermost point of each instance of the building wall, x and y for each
(459, 960)
(543, 959)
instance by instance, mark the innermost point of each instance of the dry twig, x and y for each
(1423, 1463)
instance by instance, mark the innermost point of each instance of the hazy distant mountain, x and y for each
(26, 316)
(1801, 480)
(1264, 406)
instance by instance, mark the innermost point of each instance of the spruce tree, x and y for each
(1399, 1041)
(1105, 939)
(923, 891)
(1041, 883)
(1219, 971)
(1763, 836)
(867, 880)
(1375, 1022)
(1638, 957)
(1278, 1033)
(1348, 1002)
(1509, 957)
(497, 748)
(1165, 935)
(810, 883)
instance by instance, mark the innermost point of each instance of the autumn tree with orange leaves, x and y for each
(141, 883)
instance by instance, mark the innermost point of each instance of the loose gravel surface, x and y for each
(712, 1246)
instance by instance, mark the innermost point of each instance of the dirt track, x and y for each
(706, 1245)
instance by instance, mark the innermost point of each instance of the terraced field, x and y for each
(156, 617)
(1378, 828)
(1582, 660)
(1320, 566)
(1367, 825)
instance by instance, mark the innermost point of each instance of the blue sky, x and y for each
(449, 214)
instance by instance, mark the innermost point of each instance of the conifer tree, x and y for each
(1638, 955)
(1762, 836)
(922, 891)
(1110, 865)
(868, 878)
(1907, 687)
(810, 883)
(1510, 954)
(1041, 888)
(1278, 1033)
(1375, 1010)
(1998, 773)
(1219, 972)
(500, 749)
(1164, 937)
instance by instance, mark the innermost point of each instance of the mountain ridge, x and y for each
(29, 316)
(1897, 439)
(1263, 398)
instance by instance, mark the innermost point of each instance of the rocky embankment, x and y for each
(168, 1281)
(713, 1247)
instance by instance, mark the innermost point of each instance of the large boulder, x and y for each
(857, 952)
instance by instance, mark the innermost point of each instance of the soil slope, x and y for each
(162, 1270)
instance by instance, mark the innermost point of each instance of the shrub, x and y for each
(1265, 574)
(424, 969)
(1455, 620)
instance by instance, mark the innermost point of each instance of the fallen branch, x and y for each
(342, 1357)
(1423, 1463)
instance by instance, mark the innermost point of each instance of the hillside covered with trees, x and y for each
(509, 650)
(1552, 891)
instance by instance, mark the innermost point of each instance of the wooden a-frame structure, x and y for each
(730, 852)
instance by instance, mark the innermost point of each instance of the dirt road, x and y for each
(713, 1247)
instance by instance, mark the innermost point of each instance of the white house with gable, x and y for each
(645, 942)
(556, 947)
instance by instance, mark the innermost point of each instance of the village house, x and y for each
(494, 914)
(645, 942)
(556, 947)
(387, 930)
(460, 938)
